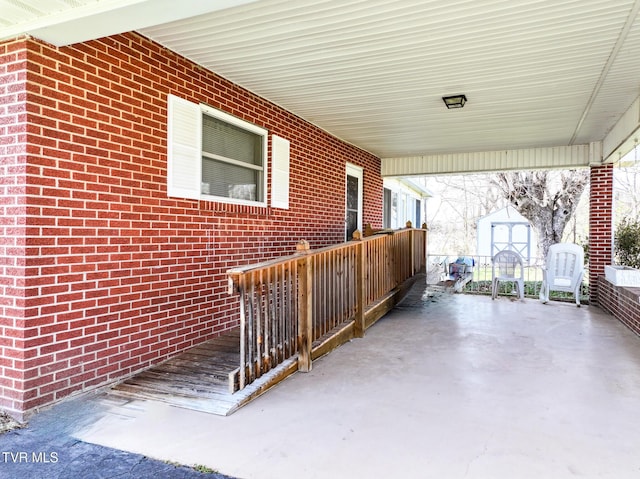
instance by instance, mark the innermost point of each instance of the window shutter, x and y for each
(184, 143)
(280, 172)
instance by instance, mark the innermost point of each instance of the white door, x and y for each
(353, 207)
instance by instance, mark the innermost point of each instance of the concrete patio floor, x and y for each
(445, 386)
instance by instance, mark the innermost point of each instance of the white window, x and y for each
(215, 156)
(402, 203)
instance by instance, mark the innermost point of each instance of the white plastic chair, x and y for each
(507, 266)
(564, 270)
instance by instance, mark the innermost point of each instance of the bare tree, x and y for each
(546, 198)
(462, 199)
(627, 191)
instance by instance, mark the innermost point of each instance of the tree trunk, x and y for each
(547, 199)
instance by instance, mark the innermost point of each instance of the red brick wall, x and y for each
(118, 275)
(623, 303)
(13, 128)
(600, 226)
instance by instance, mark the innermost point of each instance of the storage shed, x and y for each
(506, 229)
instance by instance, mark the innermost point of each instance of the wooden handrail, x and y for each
(288, 304)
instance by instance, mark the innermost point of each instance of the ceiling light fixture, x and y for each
(454, 101)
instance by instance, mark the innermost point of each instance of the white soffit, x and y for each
(537, 73)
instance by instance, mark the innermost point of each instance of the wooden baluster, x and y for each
(270, 331)
(251, 293)
(295, 306)
(318, 279)
(360, 286)
(339, 288)
(290, 313)
(321, 275)
(259, 333)
(281, 314)
(334, 289)
(243, 333)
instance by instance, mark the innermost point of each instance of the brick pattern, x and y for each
(118, 276)
(621, 302)
(600, 226)
(13, 130)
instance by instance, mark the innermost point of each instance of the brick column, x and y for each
(13, 159)
(600, 226)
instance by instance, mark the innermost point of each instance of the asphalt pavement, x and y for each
(44, 449)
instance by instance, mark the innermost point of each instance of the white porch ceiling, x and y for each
(537, 73)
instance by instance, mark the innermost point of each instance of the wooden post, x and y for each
(424, 246)
(305, 306)
(361, 288)
(412, 250)
(409, 224)
(302, 247)
(368, 230)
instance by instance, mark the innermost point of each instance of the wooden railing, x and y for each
(290, 304)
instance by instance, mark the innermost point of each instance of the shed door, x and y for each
(511, 236)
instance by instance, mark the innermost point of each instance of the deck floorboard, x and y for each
(195, 379)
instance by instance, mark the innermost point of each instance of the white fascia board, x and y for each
(567, 157)
(406, 185)
(624, 136)
(97, 20)
(416, 188)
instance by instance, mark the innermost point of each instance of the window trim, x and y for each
(358, 173)
(245, 125)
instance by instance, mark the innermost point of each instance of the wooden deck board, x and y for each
(163, 386)
(208, 349)
(187, 402)
(178, 378)
(207, 353)
(220, 361)
(196, 368)
(195, 379)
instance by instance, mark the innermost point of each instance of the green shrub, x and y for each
(204, 469)
(627, 243)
